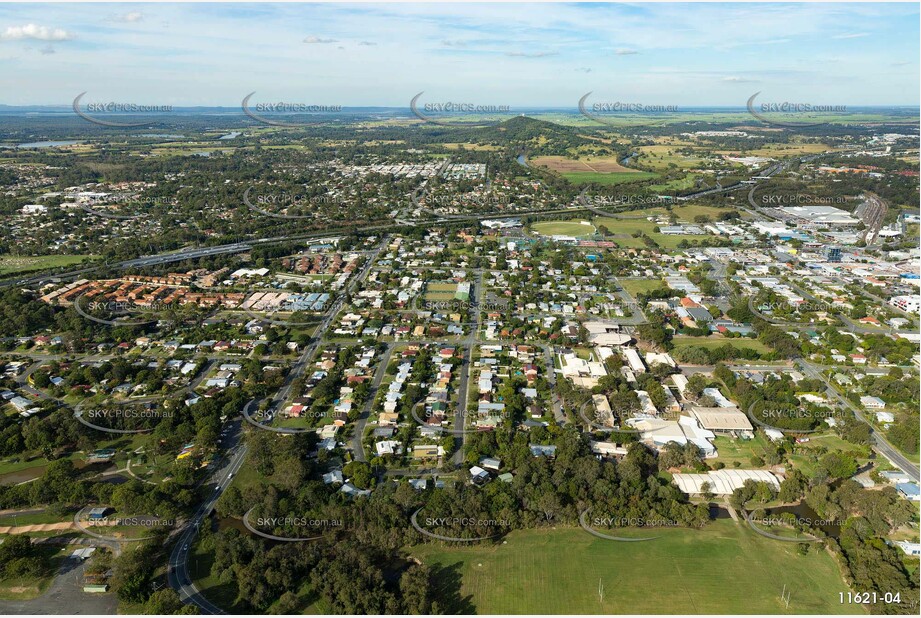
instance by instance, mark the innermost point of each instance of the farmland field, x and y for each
(603, 170)
(608, 165)
(661, 156)
(724, 568)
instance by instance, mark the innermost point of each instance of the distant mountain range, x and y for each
(405, 110)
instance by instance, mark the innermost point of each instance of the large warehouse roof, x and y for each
(723, 482)
(721, 419)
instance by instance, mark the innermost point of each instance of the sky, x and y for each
(520, 55)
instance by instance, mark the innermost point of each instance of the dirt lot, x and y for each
(563, 165)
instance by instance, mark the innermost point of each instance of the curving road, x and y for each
(880, 444)
(178, 574)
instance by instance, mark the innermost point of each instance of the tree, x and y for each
(359, 473)
(838, 465)
(20, 558)
(165, 601)
(706, 490)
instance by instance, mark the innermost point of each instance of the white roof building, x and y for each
(686, 429)
(718, 397)
(723, 482)
(634, 360)
(874, 403)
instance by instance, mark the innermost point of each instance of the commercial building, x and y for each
(908, 304)
(723, 482)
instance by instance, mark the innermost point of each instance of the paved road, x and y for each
(555, 401)
(637, 316)
(880, 443)
(242, 247)
(358, 447)
(463, 388)
(178, 575)
(304, 360)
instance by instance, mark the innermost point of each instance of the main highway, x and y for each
(178, 575)
(192, 253)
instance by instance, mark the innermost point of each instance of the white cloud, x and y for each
(530, 55)
(47, 50)
(734, 79)
(854, 35)
(367, 43)
(129, 18)
(314, 40)
(31, 31)
(626, 52)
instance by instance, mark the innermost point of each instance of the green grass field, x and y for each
(716, 341)
(624, 228)
(723, 569)
(742, 451)
(661, 156)
(602, 178)
(564, 228)
(440, 291)
(684, 183)
(10, 264)
(635, 286)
